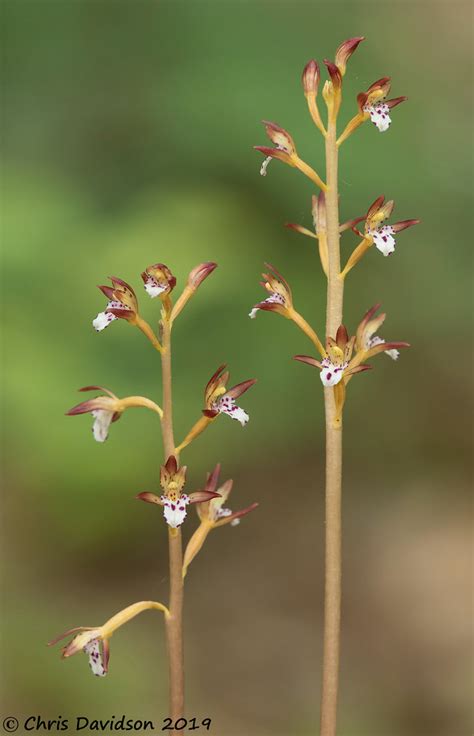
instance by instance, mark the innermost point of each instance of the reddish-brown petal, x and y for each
(375, 206)
(403, 224)
(107, 291)
(240, 388)
(358, 369)
(83, 408)
(275, 153)
(308, 359)
(395, 101)
(123, 285)
(68, 633)
(217, 376)
(199, 273)
(171, 465)
(239, 514)
(98, 388)
(362, 101)
(275, 272)
(334, 73)
(202, 496)
(342, 337)
(213, 478)
(310, 77)
(121, 313)
(210, 413)
(345, 50)
(382, 83)
(279, 136)
(149, 498)
(105, 654)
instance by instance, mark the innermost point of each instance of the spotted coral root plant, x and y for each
(211, 501)
(339, 357)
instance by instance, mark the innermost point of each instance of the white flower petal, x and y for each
(226, 405)
(384, 240)
(379, 115)
(235, 522)
(393, 353)
(331, 374)
(175, 511)
(153, 288)
(263, 167)
(103, 320)
(92, 649)
(102, 421)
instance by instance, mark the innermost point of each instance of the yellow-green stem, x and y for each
(174, 622)
(332, 588)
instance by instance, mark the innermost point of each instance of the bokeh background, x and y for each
(127, 139)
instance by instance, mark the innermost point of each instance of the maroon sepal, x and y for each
(108, 292)
(308, 359)
(334, 73)
(240, 388)
(395, 101)
(403, 224)
(122, 313)
(149, 498)
(68, 633)
(202, 496)
(83, 408)
(210, 413)
(171, 465)
(242, 512)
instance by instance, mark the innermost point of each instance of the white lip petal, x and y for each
(103, 320)
(153, 288)
(226, 405)
(379, 115)
(175, 511)
(384, 240)
(331, 374)
(102, 421)
(393, 353)
(92, 649)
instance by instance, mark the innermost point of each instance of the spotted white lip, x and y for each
(331, 374)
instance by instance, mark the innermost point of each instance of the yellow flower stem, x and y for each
(307, 329)
(195, 543)
(174, 622)
(309, 172)
(351, 126)
(122, 617)
(314, 112)
(358, 253)
(146, 329)
(136, 401)
(332, 592)
(194, 432)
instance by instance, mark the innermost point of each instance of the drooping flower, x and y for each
(158, 280)
(91, 641)
(173, 500)
(285, 150)
(213, 514)
(280, 299)
(122, 304)
(108, 409)
(382, 235)
(104, 409)
(219, 400)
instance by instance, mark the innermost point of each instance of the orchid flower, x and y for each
(382, 235)
(212, 514)
(365, 338)
(198, 274)
(373, 105)
(122, 304)
(219, 400)
(173, 500)
(280, 299)
(285, 151)
(108, 409)
(94, 640)
(158, 280)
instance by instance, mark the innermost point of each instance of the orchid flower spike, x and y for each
(91, 641)
(280, 299)
(122, 304)
(378, 233)
(104, 409)
(213, 513)
(158, 280)
(219, 400)
(173, 500)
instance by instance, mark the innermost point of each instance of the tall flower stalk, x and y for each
(340, 357)
(107, 408)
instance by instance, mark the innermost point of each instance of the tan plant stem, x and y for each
(332, 592)
(174, 622)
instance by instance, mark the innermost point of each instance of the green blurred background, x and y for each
(128, 130)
